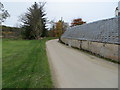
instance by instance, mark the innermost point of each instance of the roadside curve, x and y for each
(72, 68)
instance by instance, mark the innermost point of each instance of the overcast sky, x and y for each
(88, 10)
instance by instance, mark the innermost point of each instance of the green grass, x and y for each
(25, 64)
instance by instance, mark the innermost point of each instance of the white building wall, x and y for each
(116, 12)
(119, 6)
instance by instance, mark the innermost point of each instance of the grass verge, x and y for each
(25, 64)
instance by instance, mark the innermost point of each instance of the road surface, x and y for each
(72, 68)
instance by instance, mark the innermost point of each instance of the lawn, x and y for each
(25, 64)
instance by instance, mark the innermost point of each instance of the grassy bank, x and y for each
(25, 64)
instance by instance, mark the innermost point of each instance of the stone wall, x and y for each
(99, 37)
(10, 32)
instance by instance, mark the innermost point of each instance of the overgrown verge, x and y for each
(25, 64)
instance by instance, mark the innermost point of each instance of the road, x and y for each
(72, 68)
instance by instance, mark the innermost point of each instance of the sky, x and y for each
(88, 10)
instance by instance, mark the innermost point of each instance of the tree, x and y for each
(58, 28)
(3, 13)
(51, 32)
(77, 21)
(34, 21)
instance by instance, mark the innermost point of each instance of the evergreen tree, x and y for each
(34, 21)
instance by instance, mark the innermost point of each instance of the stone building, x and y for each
(117, 10)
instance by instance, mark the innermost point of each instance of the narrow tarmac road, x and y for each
(72, 68)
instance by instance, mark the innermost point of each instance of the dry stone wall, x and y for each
(100, 37)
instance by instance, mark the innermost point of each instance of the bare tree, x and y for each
(3, 13)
